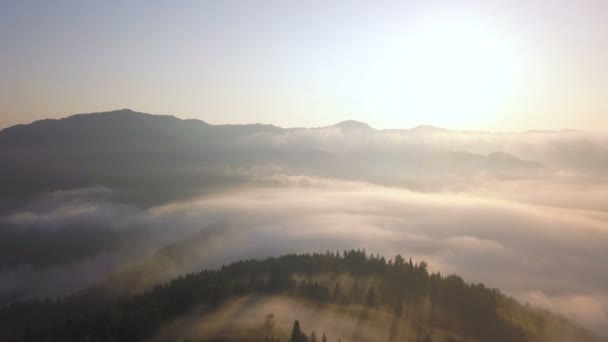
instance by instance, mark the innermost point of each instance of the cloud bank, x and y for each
(523, 212)
(551, 256)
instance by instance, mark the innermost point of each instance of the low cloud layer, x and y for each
(544, 247)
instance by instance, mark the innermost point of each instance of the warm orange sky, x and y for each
(499, 65)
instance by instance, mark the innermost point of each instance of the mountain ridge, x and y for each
(345, 124)
(157, 149)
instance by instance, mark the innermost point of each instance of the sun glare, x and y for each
(455, 72)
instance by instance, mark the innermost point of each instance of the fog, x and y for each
(523, 212)
(539, 251)
(247, 314)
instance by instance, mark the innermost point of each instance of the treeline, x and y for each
(472, 310)
(297, 335)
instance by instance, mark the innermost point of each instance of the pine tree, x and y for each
(296, 332)
(337, 294)
(370, 300)
(398, 307)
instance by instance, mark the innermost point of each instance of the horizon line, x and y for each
(337, 124)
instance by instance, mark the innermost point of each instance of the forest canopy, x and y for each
(369, 284)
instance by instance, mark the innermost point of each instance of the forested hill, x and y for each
(400, 299)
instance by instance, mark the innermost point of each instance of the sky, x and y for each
(481, 65)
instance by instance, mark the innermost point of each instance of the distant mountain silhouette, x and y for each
(161, 154)
(429, 129)
(353, 125)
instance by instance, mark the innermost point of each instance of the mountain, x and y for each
(119, 149)
(353, 125)
(159, 156)
(351, 296)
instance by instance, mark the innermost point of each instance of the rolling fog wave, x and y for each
(522, 242)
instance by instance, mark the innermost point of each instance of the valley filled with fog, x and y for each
(128, 200)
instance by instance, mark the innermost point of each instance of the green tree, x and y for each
(337, 292)
(399, 262)
(296, 332)
(398, 307)
(370, 299)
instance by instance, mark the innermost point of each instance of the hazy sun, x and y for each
(451, 71)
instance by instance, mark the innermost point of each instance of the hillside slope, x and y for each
(355, 296)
